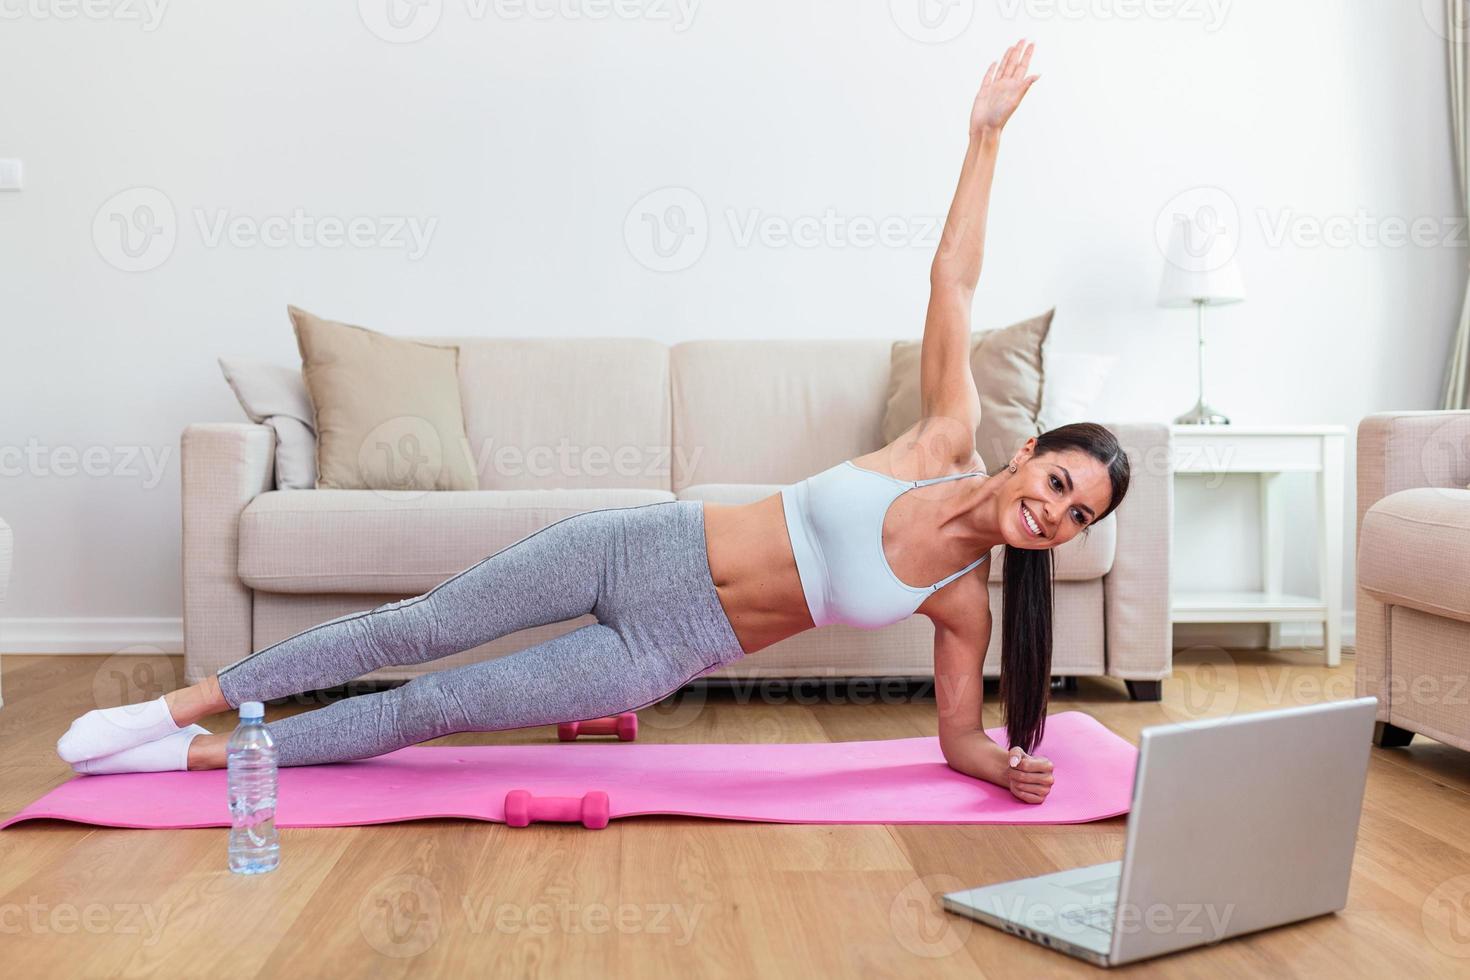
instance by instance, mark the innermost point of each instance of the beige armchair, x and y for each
(1413, 582)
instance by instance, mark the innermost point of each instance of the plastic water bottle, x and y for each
(251, 758)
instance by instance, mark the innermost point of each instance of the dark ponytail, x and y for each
(1025, 644)
(1027, 589)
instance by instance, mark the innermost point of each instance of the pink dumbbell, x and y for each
(592, 809)
(624, 726)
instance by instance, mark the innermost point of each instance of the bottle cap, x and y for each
(251, 711)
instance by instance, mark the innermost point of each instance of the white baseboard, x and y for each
(163, 634)
(1246, 636)
(166, 635)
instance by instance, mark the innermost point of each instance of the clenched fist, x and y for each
(1030, 776)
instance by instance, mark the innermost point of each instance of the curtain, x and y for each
(1457, 378)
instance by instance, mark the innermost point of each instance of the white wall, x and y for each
(526, 140)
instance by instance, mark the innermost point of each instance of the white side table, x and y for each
(1270, 451)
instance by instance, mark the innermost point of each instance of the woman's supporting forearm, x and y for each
(976, 754)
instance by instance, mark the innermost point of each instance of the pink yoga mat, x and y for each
(897, 781)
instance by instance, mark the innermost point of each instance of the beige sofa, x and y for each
(563, 426)
(1413, 642)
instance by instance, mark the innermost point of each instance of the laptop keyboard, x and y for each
(1097, 916)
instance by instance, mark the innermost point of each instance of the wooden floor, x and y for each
(655, 897)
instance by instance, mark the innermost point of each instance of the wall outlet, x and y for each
(9, 175)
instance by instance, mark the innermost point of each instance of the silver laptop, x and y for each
(1237, 824)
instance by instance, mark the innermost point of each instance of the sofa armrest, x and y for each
(1399, 451)
(224, 466)
(1136, 599)
(1404, 450)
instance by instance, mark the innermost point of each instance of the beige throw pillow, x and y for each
(387, 409)
(1007, 365)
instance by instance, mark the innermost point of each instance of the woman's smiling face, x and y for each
(1052, 497)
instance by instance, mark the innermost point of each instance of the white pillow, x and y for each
(1071, 385)
(274, 395)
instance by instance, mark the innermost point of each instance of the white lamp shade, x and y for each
(1200, 266)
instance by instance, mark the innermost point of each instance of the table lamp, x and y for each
(1200, 272)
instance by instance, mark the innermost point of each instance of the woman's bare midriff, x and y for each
(754, 570)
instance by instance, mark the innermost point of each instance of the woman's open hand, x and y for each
(1005, 84)
(1031, 778)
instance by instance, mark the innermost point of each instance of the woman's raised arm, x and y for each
(946, 383)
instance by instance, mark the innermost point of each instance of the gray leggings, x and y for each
(643, 571)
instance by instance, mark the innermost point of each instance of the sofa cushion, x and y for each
(396, 542)
(774, 411)
(388, 413)
(584, 413)
(1079, 560)
(1414, 550)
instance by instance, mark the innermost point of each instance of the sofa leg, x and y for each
(1145, 690)
(1387, 736)
(1067, 683)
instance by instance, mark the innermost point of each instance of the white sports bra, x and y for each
(835, 521)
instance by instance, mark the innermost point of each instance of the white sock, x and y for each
(161, 755)
(103, 731)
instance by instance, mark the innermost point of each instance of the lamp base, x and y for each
(1202, 414)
